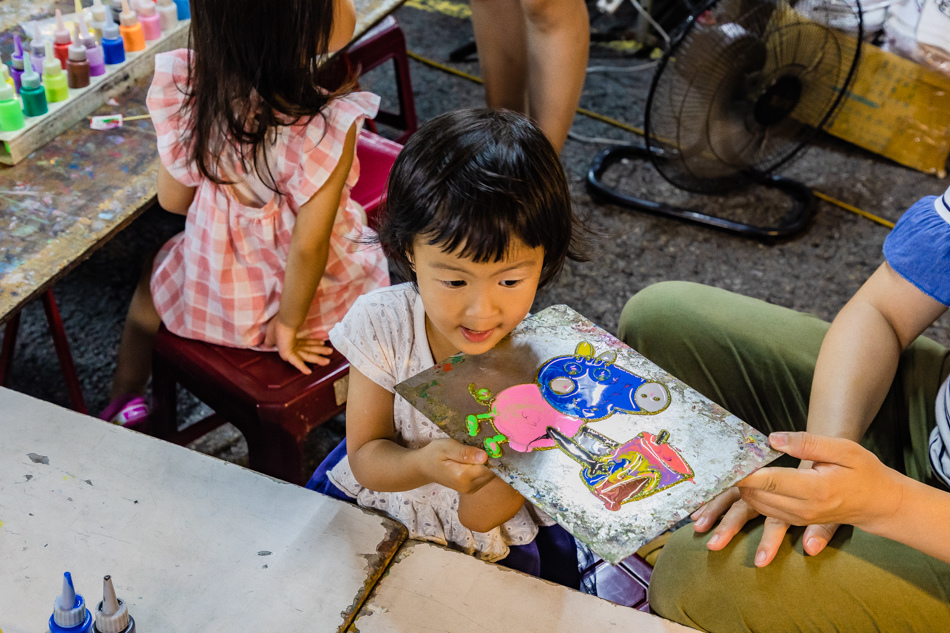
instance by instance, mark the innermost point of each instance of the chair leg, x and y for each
(163, 418)
(9, 343)
(62, 351)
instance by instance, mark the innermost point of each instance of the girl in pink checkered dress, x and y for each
(261, 160)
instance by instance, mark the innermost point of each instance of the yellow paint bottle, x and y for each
(54, 79)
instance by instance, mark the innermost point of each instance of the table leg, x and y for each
(62, 351)
(9, 342)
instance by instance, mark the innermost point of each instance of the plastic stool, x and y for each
(273, 404)
(624, 584)
(382, 43)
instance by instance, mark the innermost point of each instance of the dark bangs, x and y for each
(468, 181)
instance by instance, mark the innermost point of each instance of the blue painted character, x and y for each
(594, 388)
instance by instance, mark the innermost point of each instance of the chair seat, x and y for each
(625, 584)
(268, 400)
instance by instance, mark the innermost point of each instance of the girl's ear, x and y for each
(412, 264)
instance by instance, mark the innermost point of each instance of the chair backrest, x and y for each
(376, 155)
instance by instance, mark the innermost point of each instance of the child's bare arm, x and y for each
(306, 261)
(172, 195)
(380, 464)
(490, 506)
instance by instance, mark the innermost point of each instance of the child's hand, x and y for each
(454, 465)
(293, 348)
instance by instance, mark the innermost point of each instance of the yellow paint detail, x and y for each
(451, 9)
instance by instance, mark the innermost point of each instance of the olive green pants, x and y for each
(757, 360)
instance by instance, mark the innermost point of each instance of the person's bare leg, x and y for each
(558, 37)
(502, 52)
(134, 364)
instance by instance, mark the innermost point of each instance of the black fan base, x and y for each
(795, 221)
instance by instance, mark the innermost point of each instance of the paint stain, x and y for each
(28, 477)
(264, 552)
(38, 459)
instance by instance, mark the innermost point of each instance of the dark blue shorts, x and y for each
(552, 555)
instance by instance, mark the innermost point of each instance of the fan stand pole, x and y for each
(795, 221)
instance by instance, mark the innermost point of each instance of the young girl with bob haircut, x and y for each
(478, 217)
(261, 160)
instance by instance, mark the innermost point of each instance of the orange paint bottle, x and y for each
(132, 34)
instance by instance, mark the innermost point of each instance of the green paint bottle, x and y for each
(31, 90)
(54, 79)
(11, 116)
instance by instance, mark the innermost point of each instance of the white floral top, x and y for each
(384, 336)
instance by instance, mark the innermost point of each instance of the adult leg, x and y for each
(502, 52)
(134, 362)
(558, 42)
(860, 582)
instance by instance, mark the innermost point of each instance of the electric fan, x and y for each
(742, 87)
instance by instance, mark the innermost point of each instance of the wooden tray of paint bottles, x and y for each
(80, 102)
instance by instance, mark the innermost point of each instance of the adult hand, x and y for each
(455, 465)
(846, 484)
(296, 350)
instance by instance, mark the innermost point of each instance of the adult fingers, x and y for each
(772, 535)
(789, 482)
(732, 521)
(817, 536)
(788, 509)
(817, 448)
(706, 516)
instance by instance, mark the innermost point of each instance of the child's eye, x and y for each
(455, 283)
(511, 283)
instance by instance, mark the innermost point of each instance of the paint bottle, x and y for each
(130, 29)
(94, 55)
(77, 66)
(54, 79)
(31, 90)
(151, 23)
(168, 14)
(61, 40)
(5, 78)
(116, 6)
(184, 9)
(100, 13)
(11, 115)
(112, 616)
(113, 48)
(16, 70)
(70, 614)
(38, 49)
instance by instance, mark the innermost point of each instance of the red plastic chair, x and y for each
(273, 404)
(382, 43)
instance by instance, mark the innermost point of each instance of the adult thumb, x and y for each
(817, 448)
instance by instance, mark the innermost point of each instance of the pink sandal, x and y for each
(129, 410)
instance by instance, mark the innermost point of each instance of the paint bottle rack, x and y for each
(40, 130)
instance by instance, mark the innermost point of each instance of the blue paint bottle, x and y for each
(184, 9)
(113, 50)
(70, 614)
(112, 615)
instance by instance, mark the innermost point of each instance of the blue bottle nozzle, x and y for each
(70, 614)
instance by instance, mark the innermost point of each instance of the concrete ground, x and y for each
(815, 272)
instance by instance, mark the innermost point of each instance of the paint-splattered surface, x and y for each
(719, 448)
(192, 543)
(75, 193)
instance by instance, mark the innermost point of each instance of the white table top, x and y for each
(430, 588)
(193, 543)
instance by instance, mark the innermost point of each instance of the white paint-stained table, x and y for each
(430, 588)
(193, 544)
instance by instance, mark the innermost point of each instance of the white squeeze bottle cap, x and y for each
(112, 616)
(128, 17)
(98, 11)
(145, 8)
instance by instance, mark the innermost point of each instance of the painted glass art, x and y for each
(610, 445)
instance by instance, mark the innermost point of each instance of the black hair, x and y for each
(470, 180)
(253, 69)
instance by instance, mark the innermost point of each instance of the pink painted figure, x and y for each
(523, 416)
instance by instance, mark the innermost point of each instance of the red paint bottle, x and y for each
(61, 40)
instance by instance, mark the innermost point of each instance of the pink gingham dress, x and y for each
(221, 280)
